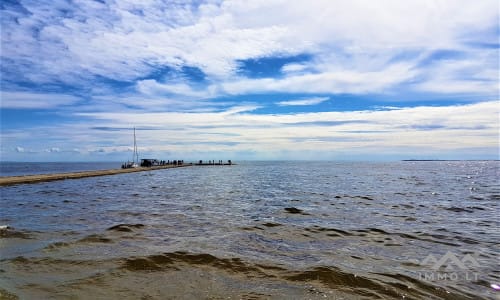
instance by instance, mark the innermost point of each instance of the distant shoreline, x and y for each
(450, 160)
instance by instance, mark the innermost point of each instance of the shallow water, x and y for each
(257, 230)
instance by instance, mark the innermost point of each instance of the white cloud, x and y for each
(419, 127)
(453, 129)
(35, 100)
(477, 73)
(240, 109)
(309, 101)
(341, 81)
(19, 149)
(290, 68)
(354, 47)
(126, 40)
(152, 87)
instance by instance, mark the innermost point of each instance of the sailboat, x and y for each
(135, 158)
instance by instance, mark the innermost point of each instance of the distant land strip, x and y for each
(450, 160)
(12, 180)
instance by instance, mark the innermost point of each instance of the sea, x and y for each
(254, 230)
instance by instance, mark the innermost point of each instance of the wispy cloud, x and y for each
(302, 102)
(35, 100)
(341, 81)
(454, 127)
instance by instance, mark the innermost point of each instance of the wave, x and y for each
(362, 285)
(369, 285)
(125, 227)
(9, 232)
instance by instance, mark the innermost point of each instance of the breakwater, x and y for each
(12, 180)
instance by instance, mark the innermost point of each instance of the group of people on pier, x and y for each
(213, 162)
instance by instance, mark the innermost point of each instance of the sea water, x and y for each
(257, 230)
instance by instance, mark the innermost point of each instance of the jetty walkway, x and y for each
(12, 180)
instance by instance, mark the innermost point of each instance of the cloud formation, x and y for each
(353, 43)
(310, 101)
(419, 130)
(29, 100)
(249, 77)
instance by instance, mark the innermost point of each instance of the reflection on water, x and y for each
(257, 230)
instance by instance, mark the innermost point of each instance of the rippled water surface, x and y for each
(257, 230)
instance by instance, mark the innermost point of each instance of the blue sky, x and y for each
(332, 80)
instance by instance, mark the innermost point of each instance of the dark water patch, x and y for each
(50, 192)
(174, 260)
(294, 210)
(375, 230)
(270, 267)
(476, 207)
(153, 263)
(485, 223)
(407, 206)
(250, 228)
(269, 224)
(458, 209)
(334, 235)
(363, 286)
(8, 232)
(317, 229)
(95, 238)
(258, 228)
(336, 278)
(20, 259)
(5, 295)
(411, 264)
(125, 227)
(29, 262)
(466, 240)
(393, 245)
(435, 238)
(442, 229)
(426, 237)
(339, 231)
(365, 197)
(131, 213)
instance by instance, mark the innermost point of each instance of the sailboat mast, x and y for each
(136, 155)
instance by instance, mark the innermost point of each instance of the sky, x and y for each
(249, 80)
